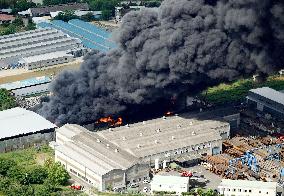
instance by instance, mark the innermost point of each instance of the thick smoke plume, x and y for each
(163, 53)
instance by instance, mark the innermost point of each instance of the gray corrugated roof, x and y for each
(17, 121)
(270, 93)
(101, 145)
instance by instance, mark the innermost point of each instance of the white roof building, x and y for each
(19, 121)
(47, 56)
(175, 184)
(247, 188)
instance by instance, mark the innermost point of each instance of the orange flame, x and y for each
(118, 122)
(169, 113)
(110, 120)
(105, 120)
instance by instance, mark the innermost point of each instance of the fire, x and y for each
(169, 113)
(105, 120)
(118, 122)
(110, 120)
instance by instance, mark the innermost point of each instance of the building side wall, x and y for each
(171, 186)
(22, 142)
(188, 151)
(246, 191)
(267, 107)
(81, 171)
(31, 90)
(267, 102)
(47, 63)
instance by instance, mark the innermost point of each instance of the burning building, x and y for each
(118, 156)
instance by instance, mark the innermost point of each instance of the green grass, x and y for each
(236, 91)
(27, 157)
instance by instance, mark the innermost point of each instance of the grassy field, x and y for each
(33, 157)
(39, 72)
(236, 91)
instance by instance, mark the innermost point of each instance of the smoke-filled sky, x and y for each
(162, 53)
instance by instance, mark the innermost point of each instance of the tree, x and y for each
(18, 21)
(102, 5)
(19, 174)
(106, 14)
(88, 17)
(66, 16)
(4, 184)
(22, 5)
(9, 30)
(5, 164)
(57, 174)
(18, 189)
(31, 26)
(37, 174)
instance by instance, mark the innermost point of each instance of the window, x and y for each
(234, 190)
(246, 191)
(65, 59)
(259, 191)
(249, 191)
(228, 190)
(266, 193)
(240, 190)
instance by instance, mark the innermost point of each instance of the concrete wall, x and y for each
(50, 62)
(246, 191)
(79, 170)
(31, 90)
(25, 141)
(189, 151)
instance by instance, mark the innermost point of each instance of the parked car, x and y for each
(146, 181)
(134, 185)
(145, 189)
(76, 187)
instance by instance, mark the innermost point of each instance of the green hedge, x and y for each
(236, 91)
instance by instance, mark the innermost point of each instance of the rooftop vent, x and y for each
(173, 137)
(178, 126)
(176, 115)
(156, 142)
(193, 133)
(158, 130)
(143, 122)
(98, 140)
(107, 145)
(116, 150)
(110, 129)
(138, 145)
(127, 125)
(123, 138)
(190, 123)
(141, 134)
(164, 118)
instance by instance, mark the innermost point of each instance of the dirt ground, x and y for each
(13, 75)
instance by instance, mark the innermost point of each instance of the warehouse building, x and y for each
(45, 10)
(21, 128)
(123, 155)
(267, 100)
(40, 41)
(167, 183)
(247, 188)
(29, 86)
(46, 60)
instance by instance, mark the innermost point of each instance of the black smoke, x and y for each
(163, 53)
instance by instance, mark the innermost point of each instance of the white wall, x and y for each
(236, 191)
(79, 170)
(49, 62)
(170, 187)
